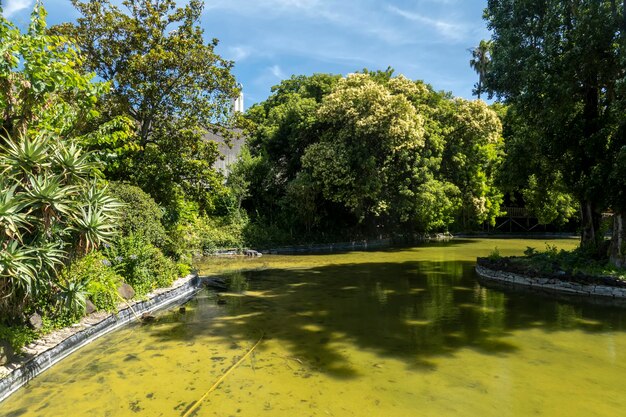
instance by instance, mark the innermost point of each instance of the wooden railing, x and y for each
(515, 212)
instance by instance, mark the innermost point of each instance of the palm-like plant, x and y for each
(43, 205)
(72, 296)
(481, 59)
(18, 270)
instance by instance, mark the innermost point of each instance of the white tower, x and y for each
(237, 103)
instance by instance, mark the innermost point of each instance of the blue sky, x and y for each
(270, 40)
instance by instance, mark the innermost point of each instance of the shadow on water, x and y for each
(412, 311)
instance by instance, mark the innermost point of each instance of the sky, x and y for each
(270, 40)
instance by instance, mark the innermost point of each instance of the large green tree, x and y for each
(169, 82)
(371, 153)
(559, 65)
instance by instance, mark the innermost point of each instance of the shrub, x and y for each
(183, 269)
(495, 254)
(259, 234)
(203, 234)
(530, 251)
(51, 202)
(141, 264)
(141, 215)
(17, 336)
(101, 279)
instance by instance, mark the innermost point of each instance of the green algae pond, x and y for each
(396, 332)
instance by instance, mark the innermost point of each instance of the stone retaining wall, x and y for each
(550, 284)
(181, 291)
(330, 247)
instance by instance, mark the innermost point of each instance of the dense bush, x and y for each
(101, 279)
(17, 336)
(140, 215)
(201, 234)
(142, 264)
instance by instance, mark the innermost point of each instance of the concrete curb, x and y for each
(552, 285)
(43, 361)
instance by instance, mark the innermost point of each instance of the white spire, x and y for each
(237, 103)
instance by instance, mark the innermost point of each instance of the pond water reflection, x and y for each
(400, 332)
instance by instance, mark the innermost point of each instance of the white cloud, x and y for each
(238, 52)
(450, 30)
(14, 6)
(252, 5)
(277, 72)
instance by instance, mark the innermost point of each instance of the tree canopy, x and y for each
(167, 88)
(561, 66)
(372, 153)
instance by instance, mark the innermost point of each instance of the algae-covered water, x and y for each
(398, 332)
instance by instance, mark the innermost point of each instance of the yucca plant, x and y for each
(50, 197)
(18, 273)
(49, 212)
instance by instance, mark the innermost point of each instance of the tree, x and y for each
(169, 82)
(558, 65)
(283, 128)
(471, 157)
(525, 172)
(481, 57)
(372, 155)
(52, 204)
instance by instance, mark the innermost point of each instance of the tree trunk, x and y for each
(590, 237)
(617, 250)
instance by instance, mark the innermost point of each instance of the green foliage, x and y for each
(41, 87)
(183, 269)
(494, 255)
(168, 88)
(368, 154)
(140, 215)
(202, 235)
(472, 155)
(101, 279)
(141, 264)
(481, 58)
(530, 251)
(560, 66)
(525, 171)
(17, 336)
(262, 233)
(72, 297)
(52, 204)
(578, 261)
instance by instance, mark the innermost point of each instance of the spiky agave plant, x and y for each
(95, 220)
(13, 217)
(18, 273)
(47, 210)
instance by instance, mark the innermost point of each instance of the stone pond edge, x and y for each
(553, 285)
(178, 294)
